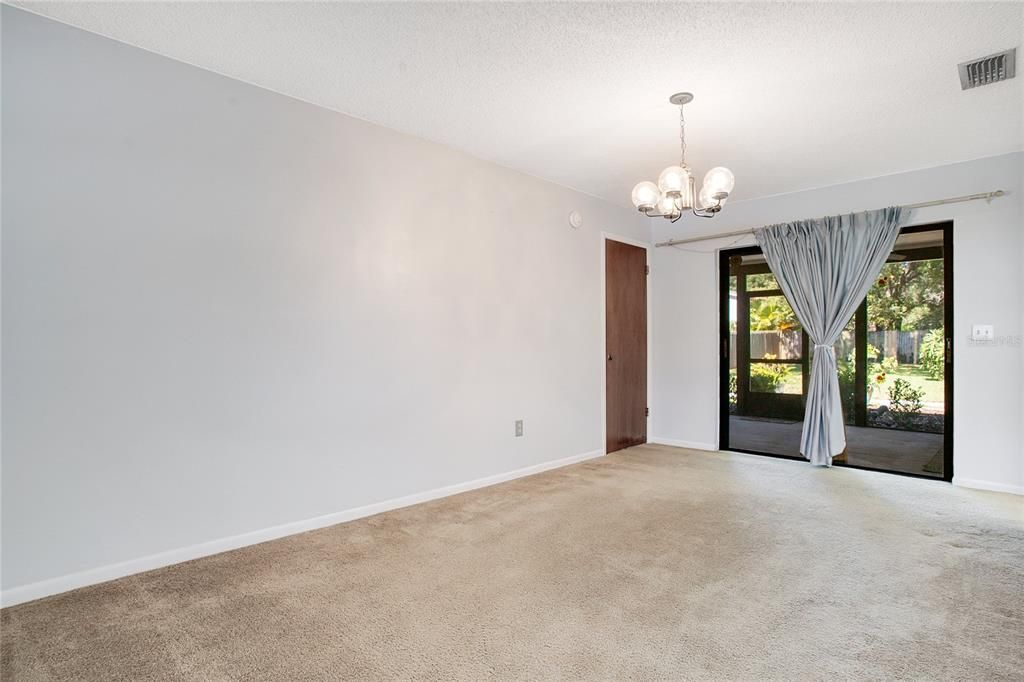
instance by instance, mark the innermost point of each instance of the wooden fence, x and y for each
(905, 346)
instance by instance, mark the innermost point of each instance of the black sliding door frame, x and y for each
(724, 258)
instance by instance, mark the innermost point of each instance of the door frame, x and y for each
(946, 227)
(611, 236)
(744, 361)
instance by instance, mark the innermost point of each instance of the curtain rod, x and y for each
(923, 204)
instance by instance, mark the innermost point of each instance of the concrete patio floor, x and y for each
(888, 449)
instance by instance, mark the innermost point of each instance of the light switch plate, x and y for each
(519, 428)
(982, 332)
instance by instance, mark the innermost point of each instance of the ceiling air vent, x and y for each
(990, 69)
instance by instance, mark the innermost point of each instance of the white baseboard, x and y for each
(693, 445)
(92, 576)
(988, 485)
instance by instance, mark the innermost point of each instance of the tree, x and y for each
(907, 295)
(771, 313)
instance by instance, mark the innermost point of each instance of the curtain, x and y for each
(824, 268)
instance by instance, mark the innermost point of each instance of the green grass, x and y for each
(934, 390)
(794, 382)
(791, 384)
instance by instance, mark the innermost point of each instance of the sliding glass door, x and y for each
(894, 358)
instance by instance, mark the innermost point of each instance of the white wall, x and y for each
(224, 309)
(988, 285)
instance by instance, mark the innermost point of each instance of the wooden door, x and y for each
(625, 344)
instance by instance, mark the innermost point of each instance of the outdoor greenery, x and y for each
(877, 375)
(932, 390)
(847, 385)
(904, 402)
(771, 313)
(907, 295)
(767, 378)
(907, 388)
(761, 282)
(767, 313)
(933, 354)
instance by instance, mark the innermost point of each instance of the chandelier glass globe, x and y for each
(704, 200)
(674, 180)
(719, 180)
(668, 206)
(645, 195)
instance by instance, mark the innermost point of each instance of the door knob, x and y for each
(609, 358)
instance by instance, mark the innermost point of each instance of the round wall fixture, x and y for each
(575, 220)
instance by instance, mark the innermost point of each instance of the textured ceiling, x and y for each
(789, 96)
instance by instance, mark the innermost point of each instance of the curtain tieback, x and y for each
(822, 345)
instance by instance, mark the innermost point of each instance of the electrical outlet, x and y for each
(519, 428)
(982, 332)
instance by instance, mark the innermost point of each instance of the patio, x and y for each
(902, 451)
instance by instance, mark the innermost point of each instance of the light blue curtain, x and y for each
(825, 268)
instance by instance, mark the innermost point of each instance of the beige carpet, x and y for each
(650, 563)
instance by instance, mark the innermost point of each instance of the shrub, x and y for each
(847, 385)
(847, 371)
(766, 378)
(889, 364)
(933, 354)
(904, 402)
(873, 353)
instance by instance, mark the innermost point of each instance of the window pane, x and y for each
(846, 366)
(906, 352)
(774, 331)
(761, 282)
(770, 377)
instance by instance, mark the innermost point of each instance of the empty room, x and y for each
(514, 341)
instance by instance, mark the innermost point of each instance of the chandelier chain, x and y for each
(682, 138)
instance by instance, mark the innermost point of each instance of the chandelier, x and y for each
(674, 192)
